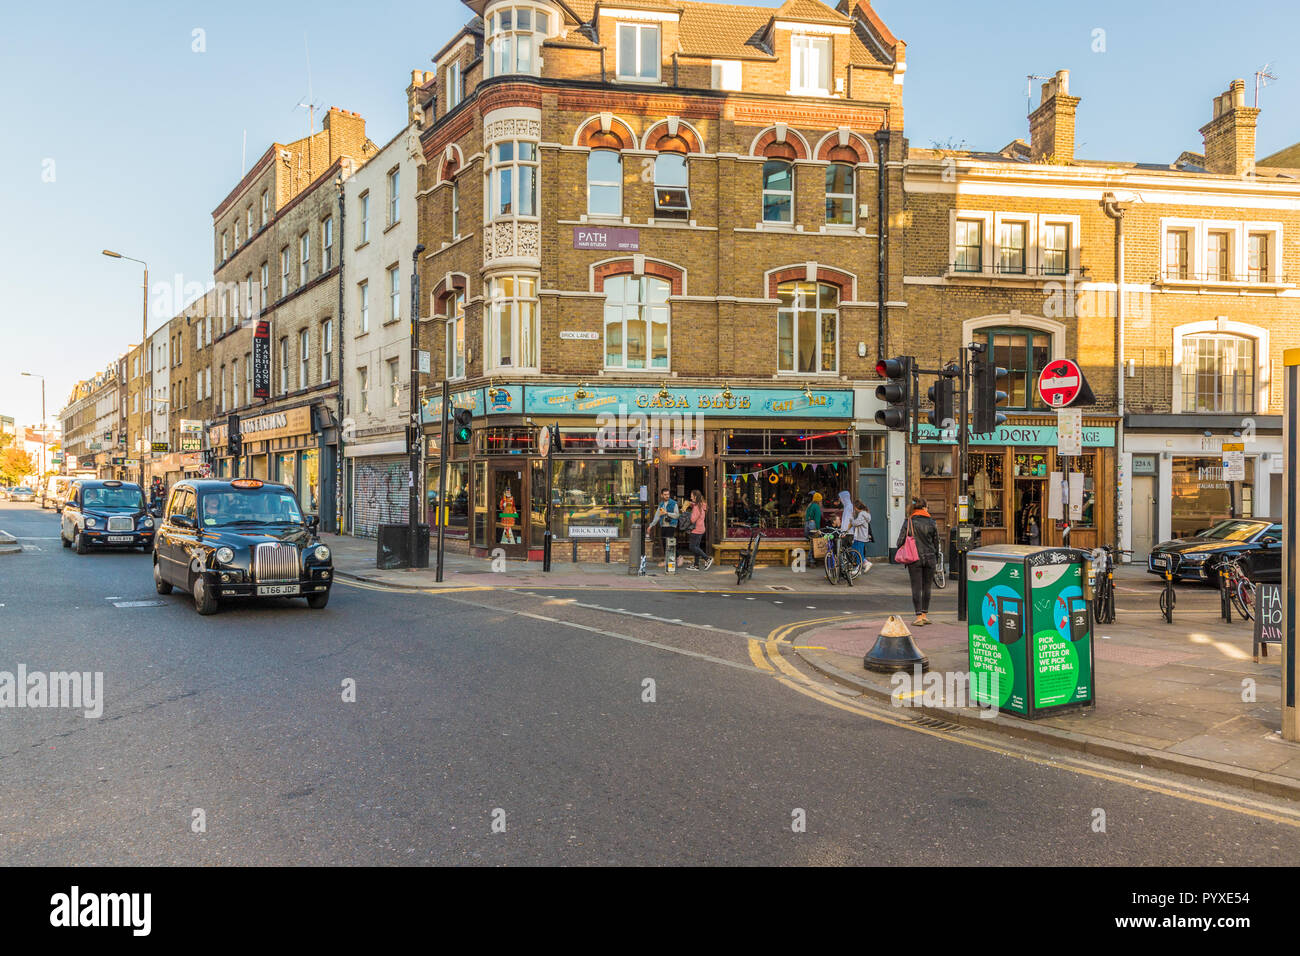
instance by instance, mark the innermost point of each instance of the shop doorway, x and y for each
(1029, 510)
(871, 489)
(1144, 516)
(508, 505)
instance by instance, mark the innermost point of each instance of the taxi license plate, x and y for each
(119, 539)
(270, 590)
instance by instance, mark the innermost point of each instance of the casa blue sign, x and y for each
(504, 400)
(790, 403)
(1094, 436)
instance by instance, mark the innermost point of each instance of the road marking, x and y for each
(802, 684)
(139, 603)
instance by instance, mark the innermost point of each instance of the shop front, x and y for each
(755, 455)
(287, 446)
(1014, 477)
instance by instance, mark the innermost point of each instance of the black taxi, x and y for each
(102, 513)
(239, 538)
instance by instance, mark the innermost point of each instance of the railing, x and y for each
(1249, 278)
(996, 269)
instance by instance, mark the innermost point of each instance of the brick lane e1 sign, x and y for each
(612, 240)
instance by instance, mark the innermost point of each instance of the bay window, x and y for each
(511, 328)
(512, 179)
(514, 39)
(636, 322)
(807, 327)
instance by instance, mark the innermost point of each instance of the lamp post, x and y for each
(144, 351)
(43, 436)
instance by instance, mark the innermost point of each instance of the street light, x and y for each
(42, 378)
(144, 350)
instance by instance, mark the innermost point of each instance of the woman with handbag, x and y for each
(695, 523)
(918, 548)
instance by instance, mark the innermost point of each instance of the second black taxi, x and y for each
(239, 538)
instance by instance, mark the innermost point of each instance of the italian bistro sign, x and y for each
(292, 421)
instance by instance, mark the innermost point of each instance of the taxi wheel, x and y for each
(318, 601)
(64, 541)
(204, 600)
(159, 585)
(80, 542)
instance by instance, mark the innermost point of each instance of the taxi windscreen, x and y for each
(253, 505)
(113, 498)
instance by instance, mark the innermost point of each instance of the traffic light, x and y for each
(986, 397)
(234, 445)
(896, 393)
(461, 420)
(943, 395)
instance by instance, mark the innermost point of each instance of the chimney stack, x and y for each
(1051, 126)
(1230, 136)
(414, 94)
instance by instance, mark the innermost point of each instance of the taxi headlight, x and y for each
(225, 555)
(322, 553)
(91, 523)
(147, 522)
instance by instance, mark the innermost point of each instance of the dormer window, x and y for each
(810, 65)
(638, 52)
(515, 36)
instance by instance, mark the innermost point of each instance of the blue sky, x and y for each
(145, 135)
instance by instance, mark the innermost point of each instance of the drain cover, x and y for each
(779, 587)
(934, 723)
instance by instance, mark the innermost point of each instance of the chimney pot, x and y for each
(1051, 125)
(1230, 135)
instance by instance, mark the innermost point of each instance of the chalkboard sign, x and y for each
(1268, 617)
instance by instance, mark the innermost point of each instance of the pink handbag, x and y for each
(907, 553)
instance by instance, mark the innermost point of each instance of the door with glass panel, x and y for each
(509, 509)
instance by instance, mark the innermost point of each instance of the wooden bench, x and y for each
(770, 551)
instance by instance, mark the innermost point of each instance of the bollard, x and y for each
(607, 550)
(635, 548)
(894, 649)
(575, 550)
(670, 553)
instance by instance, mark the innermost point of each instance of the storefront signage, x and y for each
(1144, 465)
(613, 240)
(742, 403)
(293, 421)
(96, 446)
(504, 400)
(261, 360)
(593, 531)
(160, 447)
(1094, 436)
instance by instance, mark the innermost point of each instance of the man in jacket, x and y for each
(920, 525)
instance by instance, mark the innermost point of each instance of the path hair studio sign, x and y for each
(603, 238)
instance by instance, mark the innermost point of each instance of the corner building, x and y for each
(663, 209)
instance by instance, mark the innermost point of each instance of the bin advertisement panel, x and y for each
(1061, 655)
(997, 662)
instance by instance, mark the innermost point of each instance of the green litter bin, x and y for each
(1029, 630)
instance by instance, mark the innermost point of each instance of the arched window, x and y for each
(841, 199)
(456, 336)
(636, 322)
(807, 327)
(778, 191)
(604, 183)
(1218, 374)
(672, 195)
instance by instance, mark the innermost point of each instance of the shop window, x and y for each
(456, 513)
(1218, 374)
(778, 191)
(775, 495)
(510, 339)
(871, 451)
(986, 485)
(1023, 353)
(807, 327)
(744, 443)
(936, 463)
(505, 441)
(594, 493)
(1084, 464)
(1202, 499)
(604, 183)
(841, 199)
(480, 517)
(636, 322)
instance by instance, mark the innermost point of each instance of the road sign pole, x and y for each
(1290, 540)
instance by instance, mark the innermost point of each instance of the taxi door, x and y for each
(172, 540)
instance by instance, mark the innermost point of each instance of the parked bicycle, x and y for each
(842, 562)
(1241, 589)
(745, 561)
(940, 569)
(1103, 583)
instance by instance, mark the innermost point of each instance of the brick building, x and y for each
(1018, 250)
(89, 421)
(674, 209)
(277, 251)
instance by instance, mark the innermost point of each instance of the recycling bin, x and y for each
(1029, 629)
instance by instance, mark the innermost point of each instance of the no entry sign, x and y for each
(1059, 383)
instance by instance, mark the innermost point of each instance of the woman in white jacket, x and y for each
(861, 532)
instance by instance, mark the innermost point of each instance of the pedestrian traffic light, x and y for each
(896, 393)
(943, 396)
(986, 397)
(461, 420)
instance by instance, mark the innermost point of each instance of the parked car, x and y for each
(241, 538)
(1199, 556)
(22, 493)
(56, 492)
(105, 514)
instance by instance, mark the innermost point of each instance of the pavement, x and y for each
(9, 544)
(1186, 697)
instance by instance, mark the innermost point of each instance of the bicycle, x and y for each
(1102, 574)
(842, 563)
(1241, 589)
(745, 561)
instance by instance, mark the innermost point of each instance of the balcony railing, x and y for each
(1229, 278)
(997, 269)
